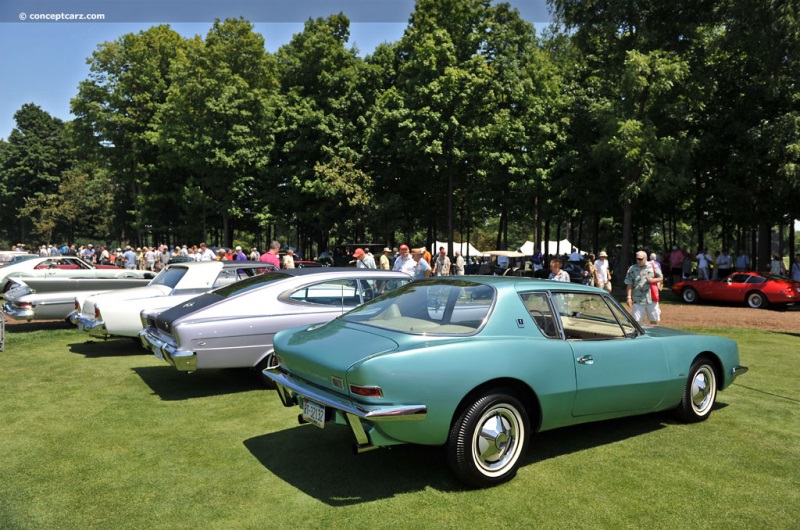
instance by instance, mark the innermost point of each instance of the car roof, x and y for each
(517, 281)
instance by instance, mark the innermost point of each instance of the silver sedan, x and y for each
(233, 326)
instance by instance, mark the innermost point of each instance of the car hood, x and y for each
(323, 352)
(661, 331)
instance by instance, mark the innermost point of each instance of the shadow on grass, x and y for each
(172, 385)
(320, 461)
(18, 326)
(789, 333)
(94, 349)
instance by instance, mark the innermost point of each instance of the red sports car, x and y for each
(750, 288)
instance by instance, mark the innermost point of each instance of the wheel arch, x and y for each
(716, 364)
(517, 388)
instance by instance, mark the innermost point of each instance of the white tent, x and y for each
(465, 248)
(554, 248)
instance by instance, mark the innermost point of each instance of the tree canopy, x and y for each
(624, 125)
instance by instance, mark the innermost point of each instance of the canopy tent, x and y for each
(554, 248)
(465, 248)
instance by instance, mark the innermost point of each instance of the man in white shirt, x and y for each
(703, 265)
(603, 276)
(404, 262)
(206, 254)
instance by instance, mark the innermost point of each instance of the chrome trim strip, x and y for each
(365, 412)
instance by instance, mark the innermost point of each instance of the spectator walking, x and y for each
(458, 265)
(288, 259)
(639, 295)
(441, 265)
(384, 262)
(676, 264)
(271, 255)
(796, 268)
(742, 262)
(363, 260)
(404, 262)
(422, 269)
(724, 264)
(556, 273)
(602, 272)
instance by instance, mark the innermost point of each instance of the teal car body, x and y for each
(479, 364)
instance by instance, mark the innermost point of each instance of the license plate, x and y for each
(314, 413)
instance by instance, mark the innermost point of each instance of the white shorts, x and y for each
(653, 312)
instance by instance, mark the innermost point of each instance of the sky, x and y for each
(43, 48)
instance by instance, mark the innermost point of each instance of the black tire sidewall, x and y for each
(459, 443)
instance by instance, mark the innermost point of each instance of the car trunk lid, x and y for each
(322, 354)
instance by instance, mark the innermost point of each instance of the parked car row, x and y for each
(475, 364)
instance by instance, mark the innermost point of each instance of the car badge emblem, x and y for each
(188, 304)
(337, 382)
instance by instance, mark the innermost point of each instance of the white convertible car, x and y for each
(61, 267)
(118, 313)
(54, 298)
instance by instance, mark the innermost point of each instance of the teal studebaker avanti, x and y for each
(478, 364)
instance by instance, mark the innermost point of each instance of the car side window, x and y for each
(541, 311)
(226, 277)
(333, 293)
(586, 316)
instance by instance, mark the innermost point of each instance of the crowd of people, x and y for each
(643, 279)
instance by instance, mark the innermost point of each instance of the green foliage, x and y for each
(637, 123)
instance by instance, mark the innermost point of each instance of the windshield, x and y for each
(453, 307)
(169, 277)
(248, 284)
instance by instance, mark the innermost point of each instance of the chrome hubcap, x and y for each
(496, 443)
(703, 390)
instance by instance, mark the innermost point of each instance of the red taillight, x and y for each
(366, 391)
(77, 306)
(96, 313)
(25, 304)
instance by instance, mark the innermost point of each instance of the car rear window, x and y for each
(449, 308)
(248, 284)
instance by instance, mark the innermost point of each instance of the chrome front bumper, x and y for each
(185, 361)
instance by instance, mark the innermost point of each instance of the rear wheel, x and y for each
(488, 439)
(757, 300)
(689, 295)
(700, 392)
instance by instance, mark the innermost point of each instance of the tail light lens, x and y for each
(96, 313)
(366, 391)
(77, 306)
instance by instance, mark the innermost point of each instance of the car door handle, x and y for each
(586, 359)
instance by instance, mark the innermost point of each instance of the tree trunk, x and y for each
(762, 257)
(625, 251)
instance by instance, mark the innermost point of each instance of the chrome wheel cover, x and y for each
(704, 390)
(498, 440)
(755, 300)
(689, 295)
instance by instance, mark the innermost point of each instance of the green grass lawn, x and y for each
(103, 435)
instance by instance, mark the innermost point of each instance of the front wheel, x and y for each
(689, 295)
(488, 439)
(757, 300)
(700, 392)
